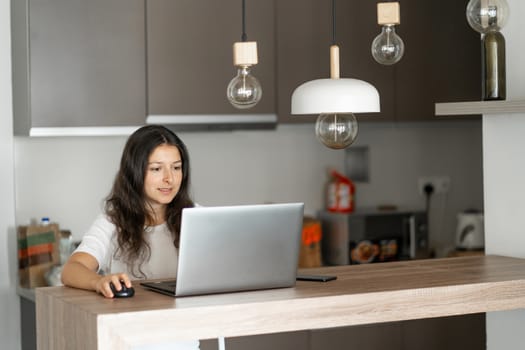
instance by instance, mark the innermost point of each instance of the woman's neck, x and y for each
(155, 222)
(157, 216)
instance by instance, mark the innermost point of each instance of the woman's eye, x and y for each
(177, 167)
(155, 169)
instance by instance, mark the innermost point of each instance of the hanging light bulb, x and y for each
(388, 48)
(336, 130)
(244, 90)
(487, 15)
(335, 100)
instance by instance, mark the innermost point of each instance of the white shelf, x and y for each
(480, 107)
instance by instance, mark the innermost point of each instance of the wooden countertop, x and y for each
(362, 294)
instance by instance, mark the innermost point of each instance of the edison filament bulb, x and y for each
(336, 130)
(487, 15)
(388, 47)
(244, 90)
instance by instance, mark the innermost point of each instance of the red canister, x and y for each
(340, 193)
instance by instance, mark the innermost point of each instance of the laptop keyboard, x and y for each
(171, 284)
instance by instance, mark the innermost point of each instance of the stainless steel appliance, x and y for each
(374, 235)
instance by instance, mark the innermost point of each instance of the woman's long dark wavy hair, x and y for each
(126, 206)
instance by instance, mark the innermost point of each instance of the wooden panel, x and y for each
(362, 294)
(63, 324)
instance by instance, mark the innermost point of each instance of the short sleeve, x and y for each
(97, 241)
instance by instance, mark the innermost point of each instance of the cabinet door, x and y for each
(442, 59)
(303, 43)
(87, 63)
(362, 337)
(304, 36)
(451, 333)
(190, 55)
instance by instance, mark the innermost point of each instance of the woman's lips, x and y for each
(165, 190)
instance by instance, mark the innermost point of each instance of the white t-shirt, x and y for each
(100, 242)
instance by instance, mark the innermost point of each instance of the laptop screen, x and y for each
(234, 248)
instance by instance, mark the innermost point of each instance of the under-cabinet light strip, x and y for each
(83, 131)
(193, 119)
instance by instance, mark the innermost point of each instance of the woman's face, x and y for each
(163, 177)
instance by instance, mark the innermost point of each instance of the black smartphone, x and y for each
(316, 278)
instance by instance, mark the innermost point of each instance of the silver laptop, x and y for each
(236, 248)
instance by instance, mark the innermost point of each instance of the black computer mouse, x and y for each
(125, 292)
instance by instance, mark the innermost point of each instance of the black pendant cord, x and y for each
(244, 37)
(333, 22)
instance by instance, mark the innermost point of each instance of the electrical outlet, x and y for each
(441, 184)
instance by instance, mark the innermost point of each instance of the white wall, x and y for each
(402, 152)
(67, 178)
(9, 304)
(504, 187)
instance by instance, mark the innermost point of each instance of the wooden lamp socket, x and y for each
(245, 53)
(388, 13)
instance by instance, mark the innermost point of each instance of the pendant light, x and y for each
(388, 47)
(487, 15)
(244, 90)
(335, 100)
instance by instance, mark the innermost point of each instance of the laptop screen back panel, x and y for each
(225, 249)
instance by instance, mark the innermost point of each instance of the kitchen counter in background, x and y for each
(26, 293)
(362, 294)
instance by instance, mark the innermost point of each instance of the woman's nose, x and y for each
(168, 176)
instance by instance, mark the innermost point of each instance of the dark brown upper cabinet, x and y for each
(78, 63)
(190, 55)
(114, 62)
(441, 61)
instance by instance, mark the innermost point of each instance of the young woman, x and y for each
(139, 231)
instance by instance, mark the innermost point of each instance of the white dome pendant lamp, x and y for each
(335, 100)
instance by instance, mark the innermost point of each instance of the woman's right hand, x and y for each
(80, 271)
(102, 284)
